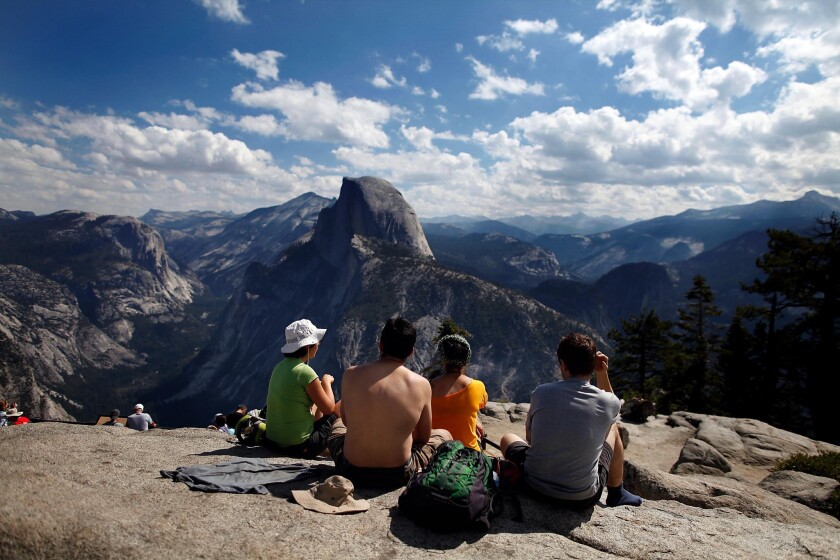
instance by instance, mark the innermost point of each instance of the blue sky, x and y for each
(625, 108)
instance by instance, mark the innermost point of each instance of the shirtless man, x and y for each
(385, 432)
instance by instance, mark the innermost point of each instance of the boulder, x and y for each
(110, 501)
(808, 489)
(637, 410)
(699, 452)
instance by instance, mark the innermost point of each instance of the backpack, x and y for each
(250, 430)
(456, 491)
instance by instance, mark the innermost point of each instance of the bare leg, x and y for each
(616, 494)
(616, 476)
(506, 440)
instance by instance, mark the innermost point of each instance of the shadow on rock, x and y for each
(538, 516)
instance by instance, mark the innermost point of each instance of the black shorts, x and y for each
(313, 446)
(518, 450)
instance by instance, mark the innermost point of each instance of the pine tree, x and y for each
(691, 376)
(802, 275)
(640, 349)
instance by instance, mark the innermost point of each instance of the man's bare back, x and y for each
(386, 407)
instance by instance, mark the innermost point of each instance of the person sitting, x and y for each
(140, 421)
(15, 417)
(115, 417)
(292, 426)
(234, 417)
(219, 424)
(457, 398)
(573, 446)
(385, 432)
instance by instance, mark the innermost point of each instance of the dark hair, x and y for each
(398, 337)
(299, 353)
(454, 352)
(115, 413)
(577, 351)
(219, 420)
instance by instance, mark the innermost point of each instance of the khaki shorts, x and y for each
(374, 477)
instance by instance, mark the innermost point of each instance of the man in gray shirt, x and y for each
(573, 447)
(140, 420)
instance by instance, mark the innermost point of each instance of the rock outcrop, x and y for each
(110, 501)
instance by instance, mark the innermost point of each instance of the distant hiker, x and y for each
(14, 417)
(573, 446)
(115, 417)
(292, 426)
(219, 424)
(234, 417)
(385, 432)
(456, 398)
(140, 421)
(3, 420)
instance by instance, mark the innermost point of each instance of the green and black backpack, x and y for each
(250, 430)
(456, 491)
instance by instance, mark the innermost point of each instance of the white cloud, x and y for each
(801, 32)
(417, 90)
(574, 37)
(264, 125)
(316, 113)
(502, 43)
(492, 86)
(524, 27)
(459, 47)
(225, 10)
(107, 163)
(175, 120)
(263, 63)
(424, 65)
(666, 62)
(533, 54)
(434, 94)
(385, 78)
(7, 103)
(421, 137)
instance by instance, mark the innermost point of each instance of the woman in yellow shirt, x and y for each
(457, 398)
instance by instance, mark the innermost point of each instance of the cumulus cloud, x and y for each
(801, 32)
(316, 113)
(525, 26)
(263, 63)
(422, 137)
(502, 43)
(666, 62)
(424, 64)
(385, 78)
(492, 86)
(574, 37)
(113, 164)
(225, 10)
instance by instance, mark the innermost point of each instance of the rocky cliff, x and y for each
(366, 259)
(85, 296)
(219, 247)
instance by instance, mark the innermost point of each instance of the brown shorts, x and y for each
(517, 452)
(374, 477)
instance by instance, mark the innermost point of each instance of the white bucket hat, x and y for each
(301, 333)
(334, 495)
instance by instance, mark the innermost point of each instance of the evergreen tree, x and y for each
(742, 392)
(802, 275)
(691, 381)
(449, 326)
(640, 352)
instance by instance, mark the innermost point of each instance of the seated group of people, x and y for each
(10, 415)
(390, 420)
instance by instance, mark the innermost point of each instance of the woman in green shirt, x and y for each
(293, 425)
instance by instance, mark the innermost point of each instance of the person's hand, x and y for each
(602, 362)
(327, 378)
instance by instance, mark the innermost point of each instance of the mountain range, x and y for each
(186, 311)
